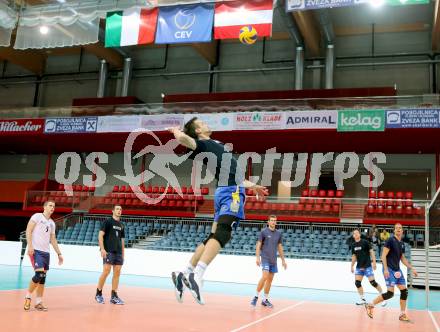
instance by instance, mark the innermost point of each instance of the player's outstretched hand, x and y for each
(258, 261)
(60, 260)
(284, 265)
(260, 191)
(172, 130)
(352, 269)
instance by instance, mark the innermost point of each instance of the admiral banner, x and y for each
(312, 120)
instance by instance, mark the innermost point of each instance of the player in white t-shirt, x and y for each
(40, 232)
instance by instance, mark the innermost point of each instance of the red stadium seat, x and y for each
(265, 207)
(379, 209)
(308, 208)
(184, 190)
(370, 209)
(399, 195)
(257, 206)
(61, 187)
(292, 207)
(305, 193)
(115, 189)
(190, 191)
(335, 208)
(161, 189)
(399, 210)
(179, 204)
(155, 190)
(300, 208)
(314, 193)
(122, 189)
(149, 189)
(418, 210)
(302, 200)
(128, 202)
(389, 210)
(327, 208)
(409, 195)
(317, 208)
(205, 191)
(339, 193)
(331, 193)
(171, 203)
(409, 210)
(372, 194)
(322, 193)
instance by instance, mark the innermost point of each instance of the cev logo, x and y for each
(184, 19)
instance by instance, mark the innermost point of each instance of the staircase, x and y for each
(352, 211)
(147, 242)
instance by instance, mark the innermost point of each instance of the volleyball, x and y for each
(248, 35)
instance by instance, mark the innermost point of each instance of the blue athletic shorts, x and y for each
(396, 278)
(365, 272)
(266, 266)
(229, 201)
(40, 259)
(113, 259)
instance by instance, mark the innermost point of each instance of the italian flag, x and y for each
(231, 16)
(134, 26)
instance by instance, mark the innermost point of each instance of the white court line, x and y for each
(46, 287)
(433, 320)
(268, 316)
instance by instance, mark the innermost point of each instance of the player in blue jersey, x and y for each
(392, 254)
(229, 201)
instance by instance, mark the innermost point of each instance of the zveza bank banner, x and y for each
(312, 120)
(413, 118)
(71, 125)
(21, 126)
(295, 5)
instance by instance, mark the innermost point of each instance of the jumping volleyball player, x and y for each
(228, 205)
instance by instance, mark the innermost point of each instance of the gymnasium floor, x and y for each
(151, 306)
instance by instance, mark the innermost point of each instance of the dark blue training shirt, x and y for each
(397, 249)
(221, 169)
(269, 244)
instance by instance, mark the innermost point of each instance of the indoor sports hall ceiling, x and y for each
(315, 28)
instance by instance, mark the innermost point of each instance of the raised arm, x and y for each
(183, 138)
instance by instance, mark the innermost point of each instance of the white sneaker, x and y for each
(361, 302)
(195, 286)
(384, 303)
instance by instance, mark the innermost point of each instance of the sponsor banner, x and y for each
(413, 118)
(295, 5)
(71, 125)
(312, 120)
(360, 120)
(259, 120)
(21, 126)
(118, 124)
(216, 122)
(161, 122)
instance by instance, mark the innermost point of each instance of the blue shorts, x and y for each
(396, 278)
(40, 259)
(266, 266)
(113, 259)
(224, 203)
(365, 272)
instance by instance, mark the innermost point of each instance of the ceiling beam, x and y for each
(33, 61)
(113, 58)
(367, 29)
(436, 27)
(309, 28)
(208, 51)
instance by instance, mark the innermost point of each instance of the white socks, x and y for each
(38, 300)
(200, 269)
(28, 295)
(257, 294)
(189, 269)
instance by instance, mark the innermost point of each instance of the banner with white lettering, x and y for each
(312, 120)
(21, 126)
(296, 5)
(413, 118)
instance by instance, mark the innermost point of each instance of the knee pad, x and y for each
(222, 234)
(42, 280)
(210, 236)
(39, 275)
(388, 295)
(358, 283)
(374, 283)
(404, 294)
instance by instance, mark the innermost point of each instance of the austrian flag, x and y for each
(231, 16)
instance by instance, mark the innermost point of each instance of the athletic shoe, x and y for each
(99, 299)
(369, 308)
(404, 318)
(41, 307)
(384, 303)
(254, 301)
(116, 300)
(266, 303)
(177, 278)
(361, 302)
(195, 286)
(27, 303)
